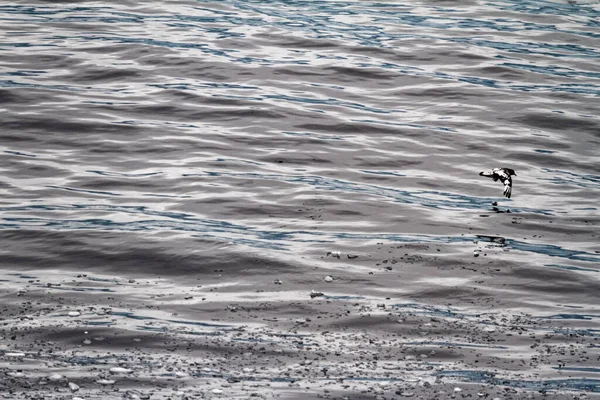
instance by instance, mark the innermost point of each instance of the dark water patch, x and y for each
(588, 385)
(559, 123)
(454, 344)
(571, 268)
(573, 316)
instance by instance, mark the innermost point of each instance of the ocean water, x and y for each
(280, 198)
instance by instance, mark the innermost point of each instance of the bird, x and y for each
(502, 174)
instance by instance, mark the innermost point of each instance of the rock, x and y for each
(73, 386)
(314, 294)
(105, 381)
(120, 370)
(15, 354)
(328, 279)
(55, 377)
(335, 254)
(73, 313)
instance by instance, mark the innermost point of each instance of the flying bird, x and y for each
(504, 175)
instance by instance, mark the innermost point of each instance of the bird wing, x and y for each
(506, 180)
(489, 174)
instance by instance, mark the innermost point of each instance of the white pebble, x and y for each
(55, 377)
(328, 279)
(217, 391)
(74, 314)
(120, 370)
(73, 386)
(14, 354)
(457, 389)
(105, 381)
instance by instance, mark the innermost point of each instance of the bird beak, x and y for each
(481, 173)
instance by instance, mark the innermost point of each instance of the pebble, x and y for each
(74, 314)
(73, 386)
(55, 377)
(120, 370)
(217, 391)
(105, 381)
(328, 279)
(17, 354)
(335, 254)
(457, 389)
(314, 294)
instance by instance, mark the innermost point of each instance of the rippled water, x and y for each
(177, 173)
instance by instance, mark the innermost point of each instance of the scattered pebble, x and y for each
(335, 254)
(120, 370)
(328, 279)
(55, 377)
(73, 386)
(73, 313)
(16, 354)
(105, 381)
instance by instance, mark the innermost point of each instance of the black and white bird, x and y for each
(504, 175)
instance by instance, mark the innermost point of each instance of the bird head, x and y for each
(511, 171)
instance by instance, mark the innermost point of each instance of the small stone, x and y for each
(457, 389)
(314, 294)
(277, 281)
(105, 381)
(217, 391)
(335, 254)
(15, 354)
(328, 279)
(73, 386)
(73, 313)
(120, 370)
(55, 377)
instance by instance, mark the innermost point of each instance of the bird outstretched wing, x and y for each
(504, 177)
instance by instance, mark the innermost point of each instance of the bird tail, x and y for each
(489, 174)
(507, 191)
